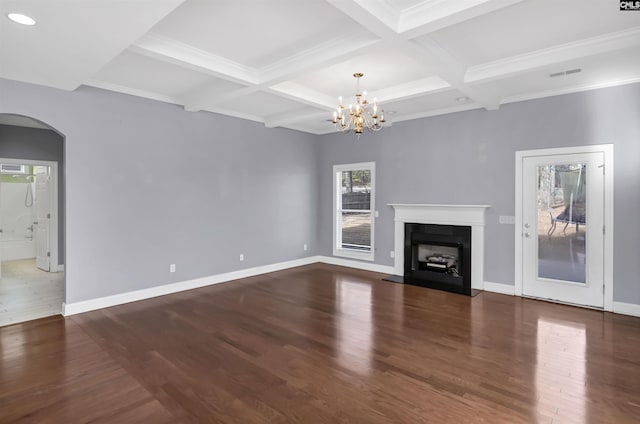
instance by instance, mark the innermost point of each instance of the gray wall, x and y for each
(469, 158)
(149, 184)
(37, 144)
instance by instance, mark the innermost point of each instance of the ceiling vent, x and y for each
(562, 73)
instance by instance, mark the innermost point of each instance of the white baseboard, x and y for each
(367, 266)
(626, 309)
(122, 298)
(500, 288)
(132, 296)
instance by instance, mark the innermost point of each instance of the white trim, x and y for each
(337, 238)
(467, 215)
(499, 288)
(626, 309)
(367, 266)
(607, 150)
(133, 296)
(535, 60)
(53, 202)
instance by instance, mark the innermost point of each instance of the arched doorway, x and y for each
(32, 217)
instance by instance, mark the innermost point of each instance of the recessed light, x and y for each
(21, 19)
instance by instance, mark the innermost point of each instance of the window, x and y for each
(353, 224)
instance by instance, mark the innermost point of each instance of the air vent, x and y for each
(562, 73)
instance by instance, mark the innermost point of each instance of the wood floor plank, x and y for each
(324, 344)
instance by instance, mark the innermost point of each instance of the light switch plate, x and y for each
(507, 219)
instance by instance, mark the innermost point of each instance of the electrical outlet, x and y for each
(172, 268)
(376, 214)
(241, 257)
(392, 254)
(305, 247)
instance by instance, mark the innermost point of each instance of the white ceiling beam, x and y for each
(325, 54)
(171, 51)
(507, 67)
(370, 14)
(434, 56)
(447, 67)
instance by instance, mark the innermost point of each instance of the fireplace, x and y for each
(438, 256)
(469, 216)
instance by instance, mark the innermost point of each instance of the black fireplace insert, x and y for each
(438, 256)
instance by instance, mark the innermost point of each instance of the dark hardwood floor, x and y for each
(323, 344)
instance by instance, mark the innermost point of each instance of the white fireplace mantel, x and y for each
(467, 215)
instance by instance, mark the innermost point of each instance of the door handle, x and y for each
(527, 225)
(527, 235)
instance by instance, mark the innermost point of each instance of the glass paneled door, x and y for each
(563, 225)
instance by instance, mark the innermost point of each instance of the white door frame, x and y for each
(607, 150)
(53, 230)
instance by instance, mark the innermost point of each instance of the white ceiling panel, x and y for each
(252, 32)
(73, 39)
(381, 68)
(141, 72)
(530, 26)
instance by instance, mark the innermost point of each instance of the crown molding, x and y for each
(132, 91)
(569, 90)
(433, 15)
(526, 62)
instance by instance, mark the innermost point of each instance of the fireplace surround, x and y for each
(472, 216)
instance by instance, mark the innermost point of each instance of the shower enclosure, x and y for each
(26, 193)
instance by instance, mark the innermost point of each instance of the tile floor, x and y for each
(27, 292)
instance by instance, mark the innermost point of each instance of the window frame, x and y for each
(338, 250)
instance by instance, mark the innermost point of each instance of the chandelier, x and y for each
(362, 115)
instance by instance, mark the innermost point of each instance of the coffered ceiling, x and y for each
(285, 62)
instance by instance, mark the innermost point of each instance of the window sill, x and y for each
(353, 254)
